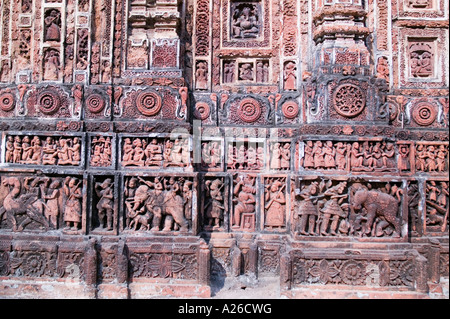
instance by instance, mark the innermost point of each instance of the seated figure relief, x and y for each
(245, 21)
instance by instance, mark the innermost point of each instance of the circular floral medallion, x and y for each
(249, 110)
(34, 265)
(424, 113)
(202, 110)
(290, 109)
(353, 273)
(95, 103)
(7, 102)
(148, 103)
(349, 100)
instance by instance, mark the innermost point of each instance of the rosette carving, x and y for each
(249, 110)
(148, 103)
(49, 102)
(349, 100)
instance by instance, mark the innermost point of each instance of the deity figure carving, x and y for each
(176, 153)
(280, 156)
(68, 151)
(421, 59)
(153, 153)
(262, 71)
(275, 156)
(403, 160)
(383, 69)
(245, 21)
(50, 152)
(414, 198)
(275, 203)
(370, 156)
(244, 201)
(9, 149)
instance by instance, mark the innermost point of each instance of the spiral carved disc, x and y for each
(290, 109)
(249, 110)
(349, 100)
(148, 103)
(95, 103)
(424, 113)
(202, 111)
(7, 102)
(49, 102)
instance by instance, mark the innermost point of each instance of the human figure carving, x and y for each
(52, 196)
(72, 210)
(9, 149)
(50, 152)
(105, 204)
(201, 76)
(290, 78)
(246, 72)
(333, 208)
(275, 159)
(244, 199)
(275, 203)
(52, 26)
(306, 210)
(214, 208)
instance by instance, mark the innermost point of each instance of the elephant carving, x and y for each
(377, 204)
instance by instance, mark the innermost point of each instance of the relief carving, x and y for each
(437, 206)
(421, 60)
(159, 202)
(275, 203)
(338, 209)
(215, 204)
(52, 21)
(43, 150)
(41, 203)
(244, 203)
(245, 20)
